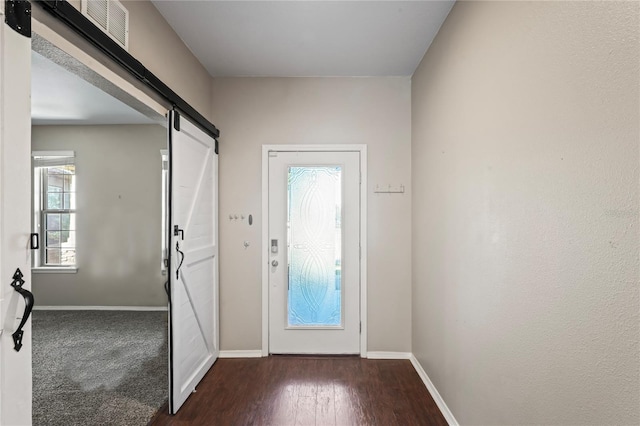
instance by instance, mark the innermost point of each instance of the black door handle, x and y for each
(17, 284)
(181, 259)
(34, 243)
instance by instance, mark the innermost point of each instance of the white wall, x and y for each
(525, 212)
(256, 111)
(119, 257)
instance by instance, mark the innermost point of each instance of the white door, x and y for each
(314, 252)
(15, 226)
(193, 331)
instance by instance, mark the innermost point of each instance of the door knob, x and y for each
(274, 263)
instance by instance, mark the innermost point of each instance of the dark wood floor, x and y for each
(289, 390)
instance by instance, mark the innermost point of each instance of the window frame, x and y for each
(40, 210)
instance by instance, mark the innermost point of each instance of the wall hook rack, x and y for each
(17, 284)
(389, 189)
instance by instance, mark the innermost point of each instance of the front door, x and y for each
(314, 252)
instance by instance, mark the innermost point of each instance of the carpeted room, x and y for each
(100, 320)
(98, 367)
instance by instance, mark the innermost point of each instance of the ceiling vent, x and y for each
(111, 17)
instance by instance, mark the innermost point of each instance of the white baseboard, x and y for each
(448, 415)
(388, 355)
(241, 354)
(99, 308)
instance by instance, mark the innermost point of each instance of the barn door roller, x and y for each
(18, 16)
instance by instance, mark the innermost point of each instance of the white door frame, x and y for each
(362, 149)
(62, 51)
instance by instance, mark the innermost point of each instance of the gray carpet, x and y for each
(98, 367)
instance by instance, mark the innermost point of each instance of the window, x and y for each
(54, 181)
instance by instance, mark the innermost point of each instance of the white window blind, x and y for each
(53, 158)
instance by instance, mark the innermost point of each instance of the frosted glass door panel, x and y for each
(314, 223)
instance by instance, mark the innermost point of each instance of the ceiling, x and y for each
(60, 97)
(260, 38)
(307, 38)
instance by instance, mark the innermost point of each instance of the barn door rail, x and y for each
(17, 284)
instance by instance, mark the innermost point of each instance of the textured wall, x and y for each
(118, 216)
(525, 212)
(371, 111)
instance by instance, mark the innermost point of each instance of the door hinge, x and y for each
(360, 327)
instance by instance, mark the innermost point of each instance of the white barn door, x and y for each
(15, 220)
(193, 331)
